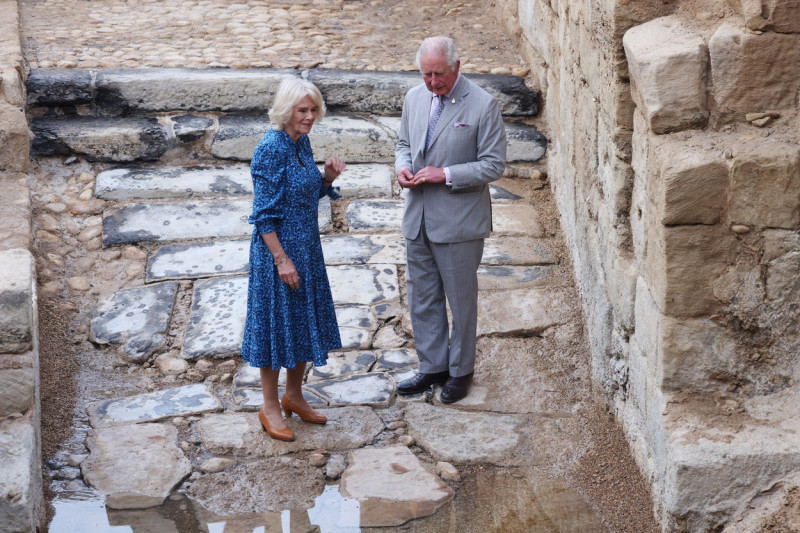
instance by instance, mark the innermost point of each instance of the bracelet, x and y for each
(325, 180)
(280, 261)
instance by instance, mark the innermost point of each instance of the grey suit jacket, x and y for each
(470, 139)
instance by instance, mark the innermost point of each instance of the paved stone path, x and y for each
(158, 251)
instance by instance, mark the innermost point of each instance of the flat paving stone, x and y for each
(460, 436)
(363, 284)
(375, 215)
(135, 466)
(152, 406)
(137, 319)
(174, 182)
(363, 249)
(520, 219)
(391, 486)
(396, 358)
(265, 485)
(498, 193)
(241, 434)
(516, 250)
(253, 399)
(527, 311)
(374, 389)
(342, 364)
(249, 376)
(524, 143)
(147, 222)
(515, 277)
(356, 140)
(357, 325)
(360, 180)
(216, 324)
(199, 260)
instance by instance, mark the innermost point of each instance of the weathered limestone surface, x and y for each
(153, 406)
(668, 66)
(17, 301)
(753, 73)
(21, 482)
(135, 466)
(15, 213)
(392, 486)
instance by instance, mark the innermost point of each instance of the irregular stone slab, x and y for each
(357, 325)
(146, 222)
(396, 358)
(152, 406)
(354, 139)
(522, 311)
(374, 389)
(18, 386)
(361, 249)
(216, 326)
(170, 89)
(524, 143)
(109, 140)
(520, 219)
(249, 376)
(343, 363)
(391, 486)
(199, 260)
(137, 319)
(500, 194)
(241, 434)
(361, 91)
(495, 438)
(375, 215)
(21, 482)
(363, 284)
(253, 399)
(273, 484)
(190, 128)
(61, 87)
(516, 250)
(372, 180)
(135, 466)
(515, 277)
(17, 290)
(174, 182)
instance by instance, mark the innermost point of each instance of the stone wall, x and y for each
(674, 159)
(20, 448)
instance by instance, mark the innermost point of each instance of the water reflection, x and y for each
(488, 500)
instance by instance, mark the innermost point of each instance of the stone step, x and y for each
(173, 89)
(226, 257)
(161, 222)
(124, 184)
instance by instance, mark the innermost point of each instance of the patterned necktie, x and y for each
(434, 120)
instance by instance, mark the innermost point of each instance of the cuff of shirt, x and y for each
(447, 179)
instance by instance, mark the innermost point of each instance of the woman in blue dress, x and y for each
(290, 314)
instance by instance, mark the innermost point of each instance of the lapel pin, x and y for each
(453, 101)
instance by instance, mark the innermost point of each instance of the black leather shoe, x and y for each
(421, 382)
(456, 388)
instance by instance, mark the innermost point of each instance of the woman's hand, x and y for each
(333, 167)
(288, 274)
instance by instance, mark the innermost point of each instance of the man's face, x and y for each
(439, 77)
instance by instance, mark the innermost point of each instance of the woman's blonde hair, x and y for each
(291, 90)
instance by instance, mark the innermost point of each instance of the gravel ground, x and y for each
(379, 35)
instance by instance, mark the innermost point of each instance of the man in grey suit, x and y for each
(452, 145)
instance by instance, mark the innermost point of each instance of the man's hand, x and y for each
(405, 178)
(429, 175)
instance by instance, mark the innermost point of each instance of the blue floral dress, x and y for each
(286, 326)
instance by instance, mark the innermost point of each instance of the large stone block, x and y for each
(13, 138)
(68, 87)
(753, 73)
(17, 295)
(667, 64)
(110, 140)
(12, 88)
(688, 184)
(21, 482)
(682, 264)
(17, 387)
(765, 185)
(782, 16)
(15, 213)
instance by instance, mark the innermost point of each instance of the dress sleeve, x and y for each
(268, 170)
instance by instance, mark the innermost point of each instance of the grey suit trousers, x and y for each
(435, 271)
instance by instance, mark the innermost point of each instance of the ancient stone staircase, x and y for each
(171, 149)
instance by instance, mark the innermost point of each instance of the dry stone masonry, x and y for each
(677, 172)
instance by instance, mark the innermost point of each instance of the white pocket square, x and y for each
(460, 125)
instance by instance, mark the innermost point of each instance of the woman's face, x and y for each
(303, 116)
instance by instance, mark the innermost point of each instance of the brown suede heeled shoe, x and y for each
(306, 415)
(277, 434)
